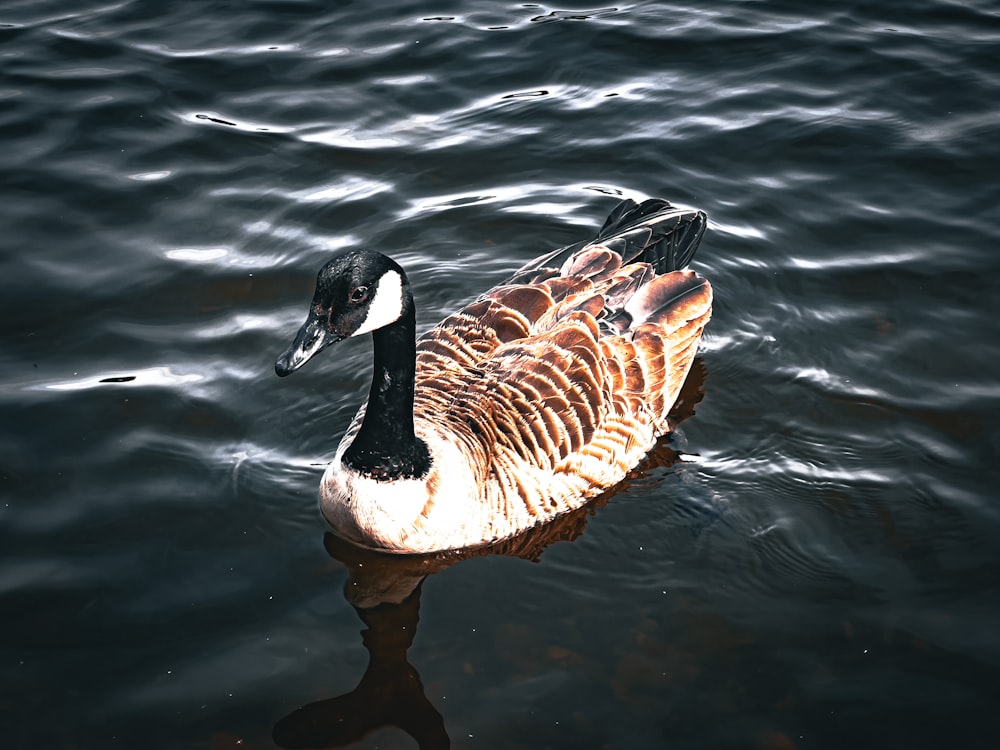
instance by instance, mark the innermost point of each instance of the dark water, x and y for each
(812, 561)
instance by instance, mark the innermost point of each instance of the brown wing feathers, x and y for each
(571, 361)
(671, 296)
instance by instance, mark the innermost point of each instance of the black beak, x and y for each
(311, 339)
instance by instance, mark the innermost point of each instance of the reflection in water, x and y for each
(385, 591)
(390, 692)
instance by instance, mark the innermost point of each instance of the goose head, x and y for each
(357, 292)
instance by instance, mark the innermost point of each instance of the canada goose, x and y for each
(524, 404)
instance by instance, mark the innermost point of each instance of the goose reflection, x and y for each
(385, 591)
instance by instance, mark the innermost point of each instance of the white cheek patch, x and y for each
(387, 306)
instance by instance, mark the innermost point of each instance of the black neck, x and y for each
(386, 446)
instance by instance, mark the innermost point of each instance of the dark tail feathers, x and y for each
(654, 232)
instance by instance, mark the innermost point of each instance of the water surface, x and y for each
(811, 561)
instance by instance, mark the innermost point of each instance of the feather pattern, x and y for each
(542, 393)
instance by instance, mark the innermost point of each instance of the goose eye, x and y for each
(359, 294)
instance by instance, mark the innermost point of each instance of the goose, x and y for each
(532, 399)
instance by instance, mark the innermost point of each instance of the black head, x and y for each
(357, 292)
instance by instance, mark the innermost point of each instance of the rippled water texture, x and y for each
(811, 561)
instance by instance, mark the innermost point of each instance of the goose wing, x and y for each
(573, 367)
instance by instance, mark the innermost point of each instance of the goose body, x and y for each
(534, 398)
